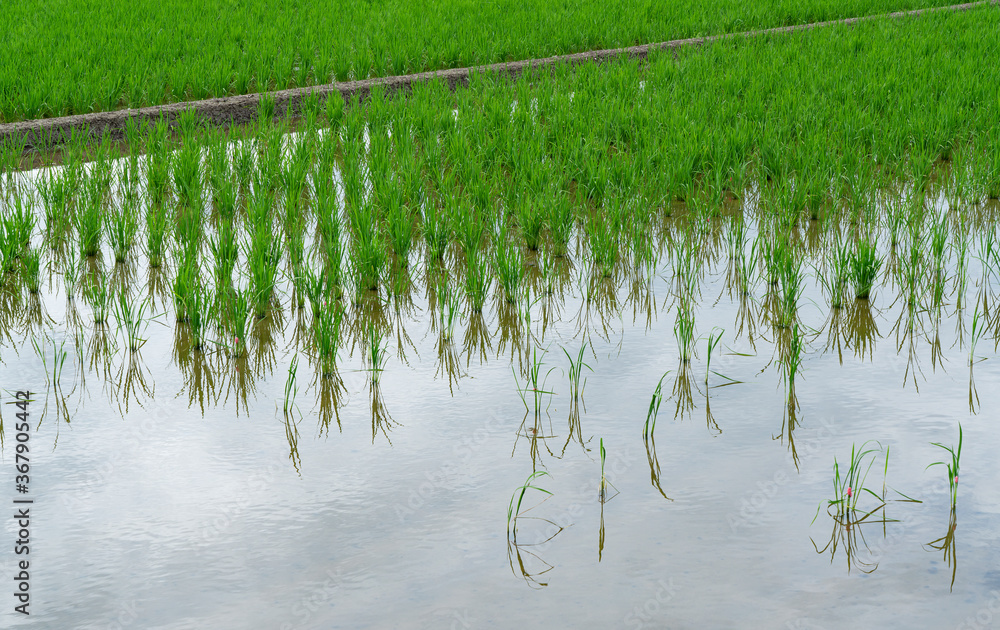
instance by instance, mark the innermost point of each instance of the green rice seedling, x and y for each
(97, 293)
(514, 512)
(848, 488)
(368, 254)
(865, 265)
(399, 226)
(376, 354)
(291, 386)
(313, 285)
(535, 383)
(714, 338)
(186, 284)
(225, 250)
(437, 230)
(131, 320)
(791, 359)
(263, 256)
(530, 219)
(71, 270)
(470, 230)
(31, 269)
(122, 227)
(237, 314)
(197, 305)
(89, 222)
(56, 194)
(509, 268)
(477, 280)
(952, 466)
(561, 220)
(790, 277)
(448, 308)
(605, 484)
(838, 273)
(187, 174)
(157, 227)
(576, 372)
(603, 244)
(327, 323)
(684, 329)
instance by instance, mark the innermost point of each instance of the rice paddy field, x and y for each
(692, 342)
(65, 57)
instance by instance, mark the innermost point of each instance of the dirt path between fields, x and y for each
(237, 110)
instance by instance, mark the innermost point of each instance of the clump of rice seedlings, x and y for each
(469, 230)
(603, 239)
(186, 283)
(448, 301)
(131, 320)
(952, 466)
(865, 265)
(938, 248)
(790, 278)
(368, 255)
(376, 354)
(31, 269)
(197, 314)
(791, 357)
(477, 280)
(89, 220)
(262, 258)
(122, 226)
(849, 485)
(437, 230)
(187, 174)
(225, 249)
(313, 287)
(327, 326)
(157, 226)
(576, 372)
(56, 194)
(98, 295)
(561, 220)
(237, 313)
(71, 270)
(530, 219)
(684, 328)
(399, 226)
(509, 268)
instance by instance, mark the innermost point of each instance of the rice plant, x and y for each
(509, 268)
(122, 227)
(952, 466)
(98, 295)
(132, 321)
(865, 265)
(31, 270)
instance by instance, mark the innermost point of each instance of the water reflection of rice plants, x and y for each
(649, 440)
(843, 508)
(521, 550)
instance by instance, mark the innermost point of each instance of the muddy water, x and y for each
(200, 506)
